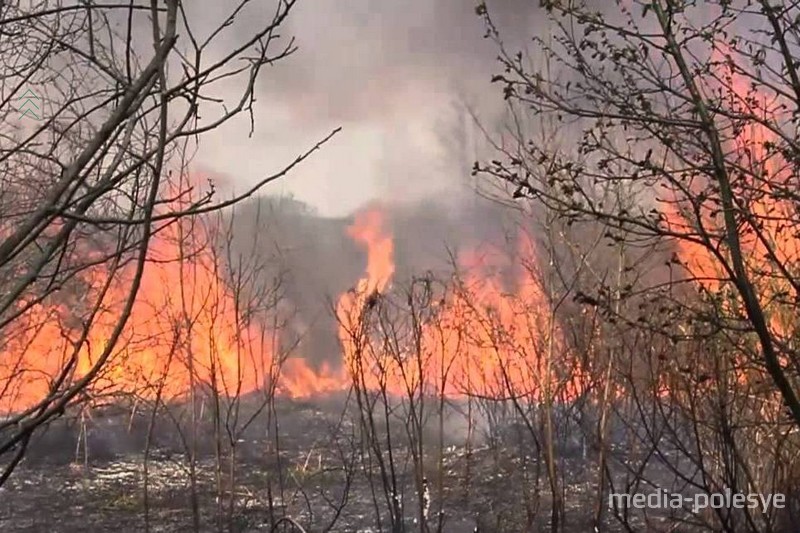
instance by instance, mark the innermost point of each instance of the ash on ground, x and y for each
(125, 470)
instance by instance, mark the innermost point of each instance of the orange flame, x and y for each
(482, 341)
(186, 331)
(761, 172)
(758, 174)
(510, 344)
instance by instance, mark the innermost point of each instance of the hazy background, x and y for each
(395, 75)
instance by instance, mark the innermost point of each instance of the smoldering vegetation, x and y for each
(623, 322)
(328, 461)
(302, 459)
(315, 260)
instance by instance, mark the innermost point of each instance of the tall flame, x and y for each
(184, 330)
(758, 174)
(766, 216)
(187, 330)
(367, 230)
(483, 340)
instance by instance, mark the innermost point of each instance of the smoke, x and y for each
(395, 76)
(381, 60)
(317, 261)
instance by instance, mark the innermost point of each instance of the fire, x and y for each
(482, 340)
(503, 343)
(367, 230)
(188, 330)
(760, 174)
(183, 331)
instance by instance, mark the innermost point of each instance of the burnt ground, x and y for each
(315, 466)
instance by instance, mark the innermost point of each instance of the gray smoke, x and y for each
(395, 75)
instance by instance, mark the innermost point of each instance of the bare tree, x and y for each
(695, 112)
(686, 113)
(90, 178)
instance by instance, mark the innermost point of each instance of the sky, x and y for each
(394, 74)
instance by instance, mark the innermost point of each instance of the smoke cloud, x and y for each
(395, 76)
